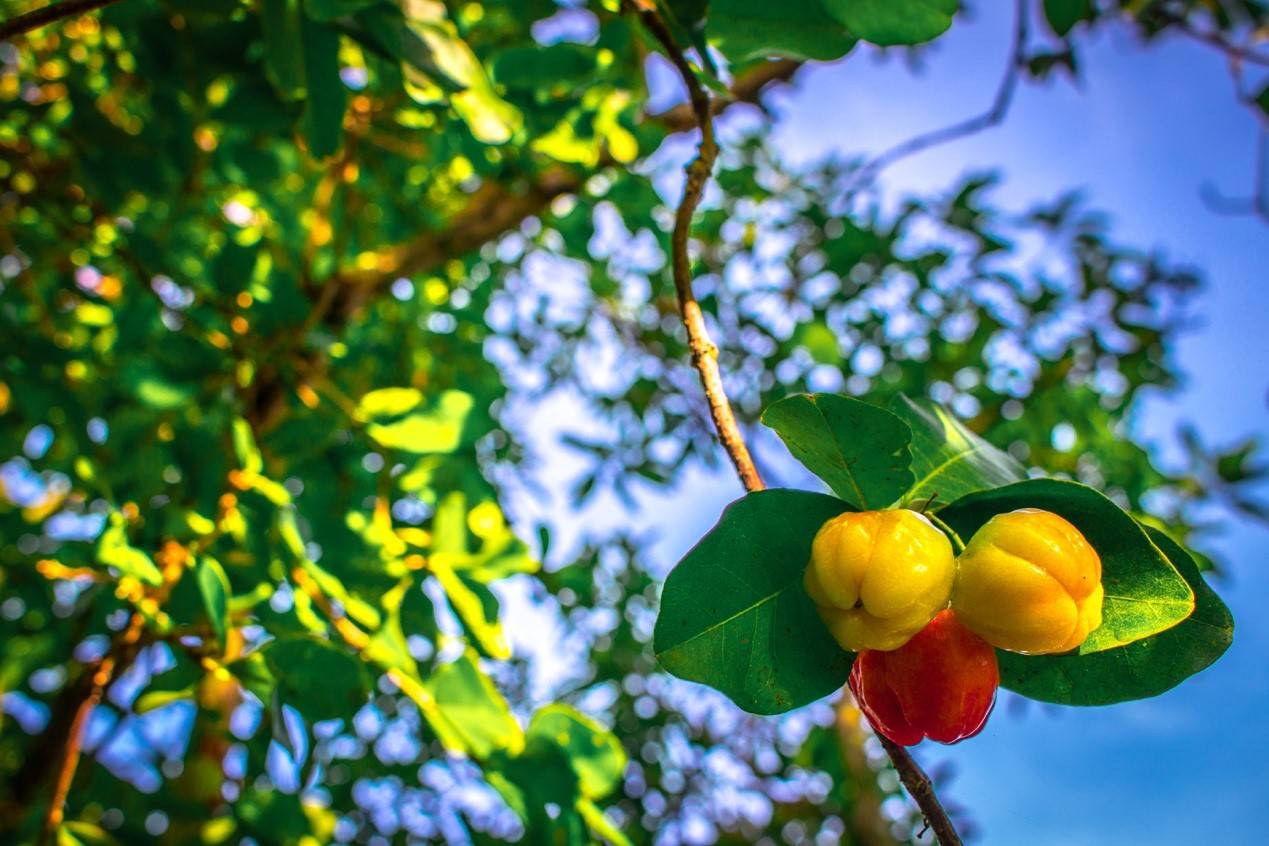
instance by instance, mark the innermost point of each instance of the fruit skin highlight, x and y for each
(877, 577)
(941, 684)
(1028, 581)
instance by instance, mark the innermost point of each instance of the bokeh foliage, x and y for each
(282, 284)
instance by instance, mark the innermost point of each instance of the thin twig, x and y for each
(704, 353)
(48, 14)
(705, 359)
(922, 791)
(121, 655)
(74, 747)
(992, 117)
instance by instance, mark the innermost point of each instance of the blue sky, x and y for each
(1142, 131)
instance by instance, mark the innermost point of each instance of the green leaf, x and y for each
(473, 716)
(113, 550)
(79, 833)
(383, 28)
(891, 22)
(1062, 15)
(213, 586)
(319, 680)
(323, 119)
(798, 29)
(948, 460)
(860, 450)
(734, 614)
(1145, 594)
(1144, 668)
(437, 431)
(152, 700)
(283, 47)
(245, 447)
(545, 66)
(594, 753)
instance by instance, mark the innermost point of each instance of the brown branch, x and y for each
(48, 14)
(704, 353)
(121, 655)
(992, 117)
(922, 791)
(74, 747)
(705, 359)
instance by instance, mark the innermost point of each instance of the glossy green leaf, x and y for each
(213, 587)
(323, 119)
(1145, 594)
(1144, 668)
(318, 679)
(948, 460)
(860, 450)
(891, 22)
(472, 713)
(734, 614)
(798, 29)
(593, 751)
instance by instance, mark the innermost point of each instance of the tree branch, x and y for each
(993, 116)
(48, 14)
(704, 353)
(922, 790)
(705, 359)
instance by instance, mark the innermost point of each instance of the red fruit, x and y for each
(941, 684)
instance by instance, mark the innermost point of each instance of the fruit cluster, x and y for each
(924, 620)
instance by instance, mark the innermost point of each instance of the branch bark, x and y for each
(48, 14)
(704, 353)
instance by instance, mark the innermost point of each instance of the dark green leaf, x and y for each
(1062, 15)
(1145, 594)
(283, 47)
(323, 119)
(1143, 668)
(734, 614)
(890, 22)
(948, 460)
(860, 450)
(799, 29)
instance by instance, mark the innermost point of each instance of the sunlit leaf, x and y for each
(860, 450)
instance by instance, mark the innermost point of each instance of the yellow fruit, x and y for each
(877, 577)
(1028, 581)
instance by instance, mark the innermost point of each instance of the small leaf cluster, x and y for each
(735, 615)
